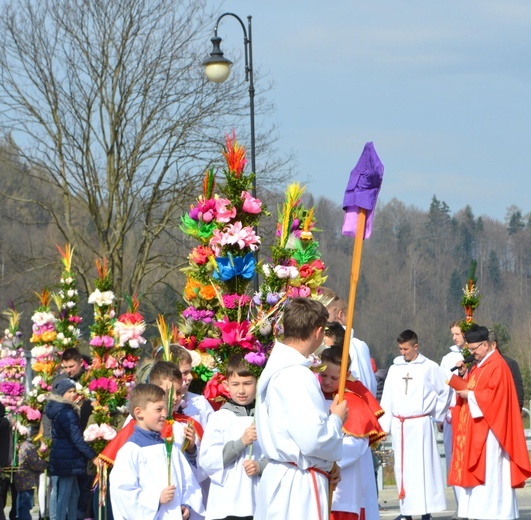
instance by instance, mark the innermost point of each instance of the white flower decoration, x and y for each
(101, 298)
(41, 318)
(286, 271)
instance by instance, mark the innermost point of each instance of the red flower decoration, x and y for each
(188, 342)
(305, 271)
(128, 317)
(215, 389)
(234, 155)
(199, 255)
(167, 430)
(317, 264)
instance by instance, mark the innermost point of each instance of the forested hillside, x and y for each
(412, 273)
(415, 265)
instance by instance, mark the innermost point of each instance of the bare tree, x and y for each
(112, 109)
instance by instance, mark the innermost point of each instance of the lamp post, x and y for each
(217, 69)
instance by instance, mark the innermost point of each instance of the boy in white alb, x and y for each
(299, 434)
(415, 396)
(139, 480)
(193, 405)
(355, 496)
(230, 452)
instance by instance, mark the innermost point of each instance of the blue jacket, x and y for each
(69, 453)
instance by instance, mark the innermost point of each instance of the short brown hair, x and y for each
(236, 365)
(301, 317)
(408, 336)
(336, 332)
(164, 370)
(145, 393)
(455, 323)
(178, 354)
(333, 356)
(339, 304)
(70, 354)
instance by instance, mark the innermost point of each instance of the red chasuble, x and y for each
(108, 455)
(364, 411)
(495, 394)
(184, 419)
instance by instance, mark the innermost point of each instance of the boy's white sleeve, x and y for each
(211, 454)
(191, 493)
(353, 449)
(129, 501)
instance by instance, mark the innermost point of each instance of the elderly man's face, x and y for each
(480, 349)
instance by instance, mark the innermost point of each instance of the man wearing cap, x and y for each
(490, 456)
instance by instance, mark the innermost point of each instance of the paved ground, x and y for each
(389, 500)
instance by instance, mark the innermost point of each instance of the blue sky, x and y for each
(443, 89)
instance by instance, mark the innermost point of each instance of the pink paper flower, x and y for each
(215, 388)
(104, 384)
(91, 433)
(224, 214)
(236, 234)
(235, 333)
(209, 344)
(256, 358)
(107, 432)
(250, 204)
(31, 413)
(205, 210)
(111, 362)
(99, 431)
(102, 341)
(299, 292)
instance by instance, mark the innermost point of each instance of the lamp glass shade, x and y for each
(217, 72)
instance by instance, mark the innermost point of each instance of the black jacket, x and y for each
(5, 442)
(69, 453)
(517, 378)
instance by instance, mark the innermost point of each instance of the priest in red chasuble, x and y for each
(490, 457)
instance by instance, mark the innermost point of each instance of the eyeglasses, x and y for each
(473, 349)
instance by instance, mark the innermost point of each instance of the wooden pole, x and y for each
(354, 277)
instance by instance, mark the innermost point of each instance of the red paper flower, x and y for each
(200, 254)
(215, 388)
(128, 317)
(234, 155)
(167, 431)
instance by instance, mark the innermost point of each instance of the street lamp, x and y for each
(217, 69)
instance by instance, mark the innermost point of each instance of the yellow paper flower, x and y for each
(48, 336)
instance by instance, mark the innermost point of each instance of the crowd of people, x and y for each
(285, 445)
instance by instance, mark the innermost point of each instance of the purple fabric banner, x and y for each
(362, 191)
